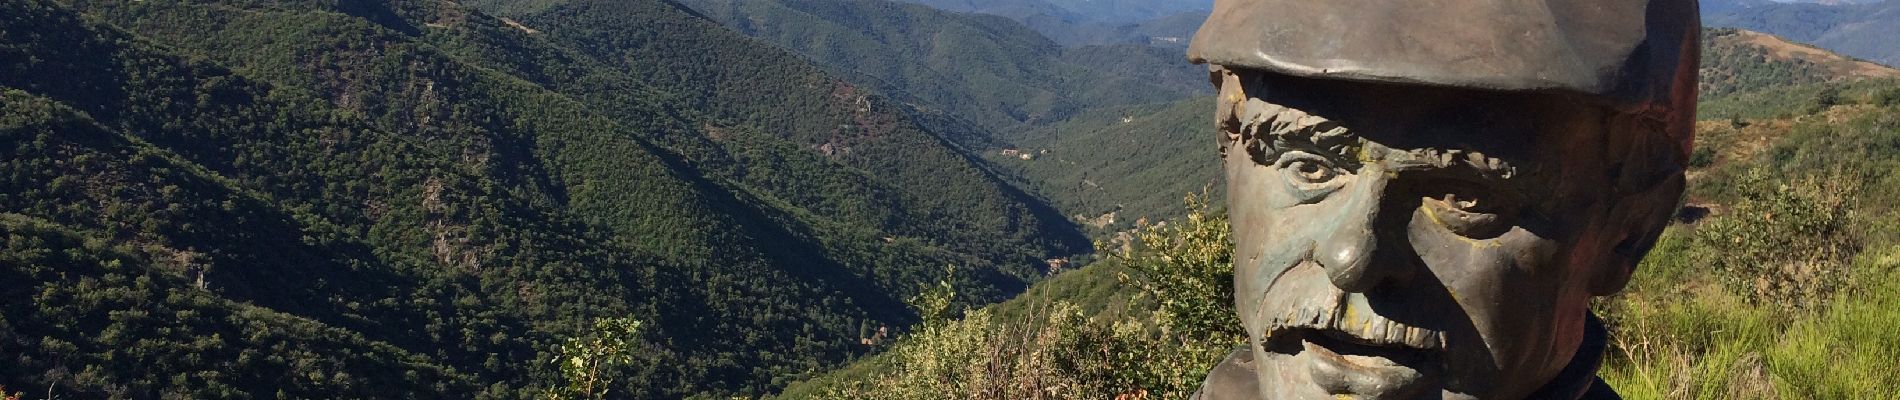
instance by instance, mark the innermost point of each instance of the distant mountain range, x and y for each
(1866, 30)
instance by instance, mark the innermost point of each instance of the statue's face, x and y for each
(1399, 242)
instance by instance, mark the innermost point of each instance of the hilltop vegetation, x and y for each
(1171, 321)
(1743, 61)
(1723, 309)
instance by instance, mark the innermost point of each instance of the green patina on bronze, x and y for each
(1425, 195)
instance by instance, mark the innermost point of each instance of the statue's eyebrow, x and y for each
(1274, 128)
(1440, 158)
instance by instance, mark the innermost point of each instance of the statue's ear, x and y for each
(1641, 216)
(1232, 95)
(1646, 189)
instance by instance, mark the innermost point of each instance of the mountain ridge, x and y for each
(1861, 30)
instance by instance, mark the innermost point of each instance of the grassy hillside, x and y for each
(1742, 61)
(1721, 309)
(440, 196)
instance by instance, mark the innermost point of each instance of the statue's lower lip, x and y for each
(1343, 366)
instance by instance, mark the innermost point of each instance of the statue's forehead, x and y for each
(1504, 124)
(1631, 52)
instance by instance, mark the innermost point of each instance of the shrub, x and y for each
(1888, 98)
(1784, 243)
(1703, 157)
(1188, 269)
(1056, 351)
(590, 362)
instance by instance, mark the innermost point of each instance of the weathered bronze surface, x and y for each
(1425, 195)
(1626, 50)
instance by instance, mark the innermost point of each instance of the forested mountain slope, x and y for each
(1112, 167)
(432, 197)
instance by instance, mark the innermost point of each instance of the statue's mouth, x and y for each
(1343, 364)
(1341, 343)
(1350, 350)
(1336, 319)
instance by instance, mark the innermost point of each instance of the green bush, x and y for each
(591, 362)
(1887, 98)
(1056, 350)
(1702, 157)
(1784, 243)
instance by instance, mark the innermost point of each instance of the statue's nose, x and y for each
(1347, 251)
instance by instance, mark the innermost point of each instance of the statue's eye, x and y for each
(1309, 175)
(1312, 172)
(1468, 210)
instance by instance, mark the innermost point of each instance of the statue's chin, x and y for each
(1311, 364)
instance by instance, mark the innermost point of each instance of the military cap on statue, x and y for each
(1643, 64)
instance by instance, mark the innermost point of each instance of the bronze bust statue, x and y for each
(1426, 195)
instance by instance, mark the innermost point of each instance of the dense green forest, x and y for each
(1112, 167)
(415, 199)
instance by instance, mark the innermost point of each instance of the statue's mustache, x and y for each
(1340, 320)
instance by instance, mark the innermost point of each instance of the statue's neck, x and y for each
(1578, 380)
